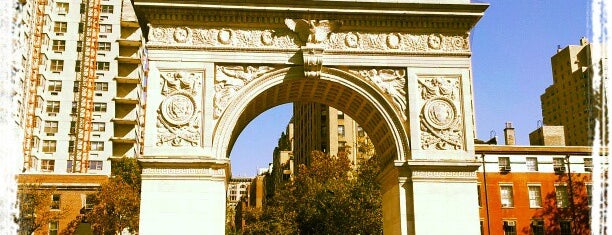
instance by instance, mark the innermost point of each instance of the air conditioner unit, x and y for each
(50, 134)
(504, 168)
(510, 223)
(559, 169)
(588, 168)
(54, 93)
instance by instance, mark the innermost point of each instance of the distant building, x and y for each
(570, 101)
(237, 193)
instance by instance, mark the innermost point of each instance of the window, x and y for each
(340, 114)
(77, 68)
(107, 8)
(504, 164)
(95, 165)
(101, 86)
(62, 7)
(97, 146)
(558, 162)
(506, 196)
(60, 27)
(106, 28)
(99, 107)
(589, 191)
(509, 227)
(341, 130)
(74, 109)
(69, 164)
(479, 196)
(535, 196)
(90, 201)
(53, 106)
(537, 227)
(588, 164)
(103, 66)
(50, 127)
(98, 126)
(58, 45)
(79, 44)
(104, 46)
(71, 146)
(54, 85)
(47, 165)
(565, 227)
(53, 227)
(532, 164)
(561, 196)
(57, 65)
(55, 202)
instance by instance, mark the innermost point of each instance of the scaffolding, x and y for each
(31, 84)
(90, 19)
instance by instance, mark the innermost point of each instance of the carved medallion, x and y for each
(178, 120)
(393, 41)
(266, 37)
(351, 40)
(225, 36)
(441, 119)
(178, 108)
(181, 34)
(434, 41)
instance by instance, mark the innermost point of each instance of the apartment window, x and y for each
(561, 196)
(588, 164)
(589, 190)
(57, 65)
(107, 8)
(50, 127)
(106, 28)
(103, 66)
(60, 27)
(558, 162)
(537, 227)
(506, 196)
(509, 227)
(79, 43)
(58, 45)
(69, 164)
(62, 7)
(101, 86)
(341, 130)
(54, 85)
(504, 164)
(565, 227)
(95, 165)
(74, 107)
(99, 107)
(97, 146)
(77, 68)
(55, 202)
(340, 114)
(47, 165)
(104, 46)
(90, 201)
(71, 147)
(535, 196)
(532, 164)
(53, 106)
(53, 227)
(99, 126)
(49, 146)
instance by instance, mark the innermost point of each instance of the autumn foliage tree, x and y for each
(36, 208)
(327, 197)
(117, 203)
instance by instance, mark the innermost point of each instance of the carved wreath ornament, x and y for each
(441, 120)
(178, 119)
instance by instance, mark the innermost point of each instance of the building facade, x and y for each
(570, 101)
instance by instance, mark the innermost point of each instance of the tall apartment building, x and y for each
(119, 84)
(570, 101)
(324, 128)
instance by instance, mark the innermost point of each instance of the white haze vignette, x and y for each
(10, 147)
(601, 174)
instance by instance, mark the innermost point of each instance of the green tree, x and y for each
(327, 197)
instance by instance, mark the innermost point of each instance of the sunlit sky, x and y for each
(511, 49)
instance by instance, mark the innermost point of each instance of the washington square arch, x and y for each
(401, 68)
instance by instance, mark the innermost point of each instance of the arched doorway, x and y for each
(401, 70)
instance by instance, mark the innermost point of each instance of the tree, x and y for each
(35, 208)
(327, 197)
(117, 203)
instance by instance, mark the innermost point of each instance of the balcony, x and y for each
(127, 80)
(123, 100)
(128, 59)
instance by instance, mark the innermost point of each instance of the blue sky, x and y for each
(511, 49)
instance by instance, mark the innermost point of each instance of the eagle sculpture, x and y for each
(312, 31)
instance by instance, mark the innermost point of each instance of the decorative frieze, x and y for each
(229, 80)
(392, 82)
(443, 174)
(441, 115)
(323, 33)
(179, 114)
(183, 171)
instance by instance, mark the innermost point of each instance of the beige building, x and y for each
(569, 101)
(324, 128)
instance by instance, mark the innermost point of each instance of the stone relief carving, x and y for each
(323, 33)
(391, 81)
(178, 119)
(229, 80)
(183, 171)
(441, 116)
(444, 174)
